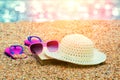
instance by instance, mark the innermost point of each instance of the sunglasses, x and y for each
(37, 48)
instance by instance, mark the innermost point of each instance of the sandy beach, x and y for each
(105, 35)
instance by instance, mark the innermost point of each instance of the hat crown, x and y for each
(77, 45)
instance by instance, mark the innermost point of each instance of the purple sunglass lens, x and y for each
(36, 48)
(52, 46)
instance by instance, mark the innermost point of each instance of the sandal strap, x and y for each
(30, 38)
(15, 46)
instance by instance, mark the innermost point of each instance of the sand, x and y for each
(105, 35)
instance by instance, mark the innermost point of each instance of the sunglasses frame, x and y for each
(44, 44)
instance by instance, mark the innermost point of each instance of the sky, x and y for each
(50, 10)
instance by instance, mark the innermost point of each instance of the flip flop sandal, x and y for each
(15, 52)
(32, 39)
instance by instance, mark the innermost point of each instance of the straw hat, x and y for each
(78, 49)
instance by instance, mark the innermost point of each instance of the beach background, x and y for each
(104, 34)
(98, 20)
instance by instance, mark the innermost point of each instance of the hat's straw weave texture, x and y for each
(77, 46)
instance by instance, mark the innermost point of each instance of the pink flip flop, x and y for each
(15, 52)
(32, 39)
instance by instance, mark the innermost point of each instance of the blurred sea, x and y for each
(49, 10)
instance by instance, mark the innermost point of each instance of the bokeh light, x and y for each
(50, 10)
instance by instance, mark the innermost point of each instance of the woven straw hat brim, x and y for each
(98, 58)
